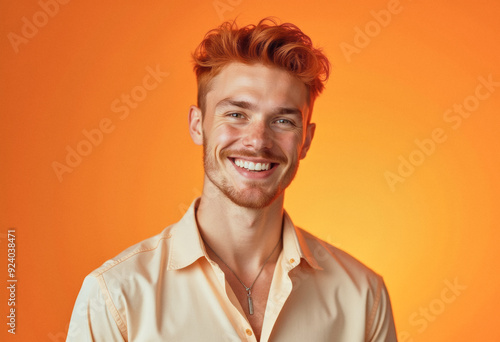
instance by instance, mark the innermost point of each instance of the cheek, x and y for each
(291, 145)
(228, 133)
(223, 136)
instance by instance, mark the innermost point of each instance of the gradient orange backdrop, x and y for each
(394, 80)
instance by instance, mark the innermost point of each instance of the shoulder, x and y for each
(107, 292)
(138, 259)
(339, 264)
(354, 287)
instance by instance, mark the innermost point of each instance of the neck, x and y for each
(242, 237)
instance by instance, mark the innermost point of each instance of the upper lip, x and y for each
(255, 160)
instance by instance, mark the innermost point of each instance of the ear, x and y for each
(195, 125)
(307, 142)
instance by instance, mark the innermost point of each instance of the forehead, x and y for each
(267, 86)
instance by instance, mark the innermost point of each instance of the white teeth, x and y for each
(252, 166)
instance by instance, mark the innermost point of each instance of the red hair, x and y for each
(284, 46)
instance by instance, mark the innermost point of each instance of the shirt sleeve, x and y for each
(92, 318)
(381, 326)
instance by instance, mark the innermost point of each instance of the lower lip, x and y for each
(252, 174)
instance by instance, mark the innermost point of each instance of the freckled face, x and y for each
(254, 132)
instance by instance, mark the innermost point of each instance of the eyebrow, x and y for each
(248, 105)
(230, 102)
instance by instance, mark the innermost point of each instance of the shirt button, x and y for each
(249, 332)
(292, 260)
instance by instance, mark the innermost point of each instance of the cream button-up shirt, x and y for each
(166, 288)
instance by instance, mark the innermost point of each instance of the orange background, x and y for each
(440, 224)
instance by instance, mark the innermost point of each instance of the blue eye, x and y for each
(284, 121)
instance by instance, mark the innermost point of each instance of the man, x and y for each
(235, 268)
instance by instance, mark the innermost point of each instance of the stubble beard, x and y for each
(254, 196)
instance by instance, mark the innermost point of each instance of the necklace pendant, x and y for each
(248, 289)
(250, 304)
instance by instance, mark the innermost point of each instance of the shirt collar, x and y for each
(187, 245)
(295, 247)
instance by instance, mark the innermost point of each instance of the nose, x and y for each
(258, 136)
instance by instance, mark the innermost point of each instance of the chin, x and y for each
(250, 198)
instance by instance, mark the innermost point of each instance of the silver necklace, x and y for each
(248, 289)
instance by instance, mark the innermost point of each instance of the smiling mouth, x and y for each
(251, 166)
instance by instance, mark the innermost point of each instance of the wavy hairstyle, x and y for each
(282, 45)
